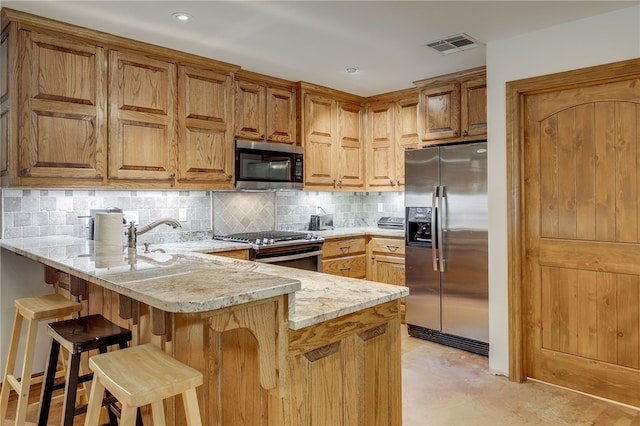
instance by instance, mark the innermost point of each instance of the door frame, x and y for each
(516, 93)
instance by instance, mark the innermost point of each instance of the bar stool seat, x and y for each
(77, 336)
(142, 375)
(34, 310)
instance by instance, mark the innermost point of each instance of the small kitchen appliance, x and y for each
(264, 165)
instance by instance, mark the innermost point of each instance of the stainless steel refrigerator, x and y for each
(446, 245)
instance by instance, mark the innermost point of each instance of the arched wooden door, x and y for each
(581, 237)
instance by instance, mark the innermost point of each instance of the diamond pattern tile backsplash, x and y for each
(41, 212)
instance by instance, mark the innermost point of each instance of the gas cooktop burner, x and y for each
(268, 237)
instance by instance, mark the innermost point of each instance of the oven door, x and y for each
(307, 257)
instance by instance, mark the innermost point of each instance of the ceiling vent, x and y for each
(455, 43)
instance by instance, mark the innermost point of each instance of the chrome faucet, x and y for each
(133, 232)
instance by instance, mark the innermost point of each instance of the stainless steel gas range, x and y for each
(299, 250)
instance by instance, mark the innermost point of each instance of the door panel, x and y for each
(582, 279)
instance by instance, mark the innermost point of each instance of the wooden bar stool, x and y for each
(77, 336)
(34, 310)
(142, 375)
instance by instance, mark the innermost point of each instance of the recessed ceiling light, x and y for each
(181, 16)
(352, 70)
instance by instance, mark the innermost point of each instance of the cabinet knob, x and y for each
(465, 133)
(172, 176)
(334, 183)
(229, 177)
(270, 137)
(455, 133)
(263, 137)
(26, 171)
(398, 182)
(391, 182)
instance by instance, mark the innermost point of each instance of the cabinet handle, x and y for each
(229, 177)
(345, 269)
(392, 248)
(391, 182)
(334, 183)
(398, 182)
(26, 171)
(345, 249)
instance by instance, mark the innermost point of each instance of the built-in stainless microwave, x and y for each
(264, 165)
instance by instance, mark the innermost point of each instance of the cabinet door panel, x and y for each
(474, 108)
(63, 131)
(205, 145)
(349, 150)
(381, 152)
(407, 126)
(320, 128)
(250, 110)
(281, 115)
(440, 111)
(143, 118)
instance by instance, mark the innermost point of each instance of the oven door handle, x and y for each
(275, 259)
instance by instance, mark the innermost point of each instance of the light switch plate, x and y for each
(182, 214)
(380, 208)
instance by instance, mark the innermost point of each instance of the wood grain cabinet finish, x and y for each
(62, 101)
(142, 143)
(345, 257)
(393, 127)
(265, 112)
(205, 127)
(6, 97)
(386, 263)
(333, 143)
(453, 107)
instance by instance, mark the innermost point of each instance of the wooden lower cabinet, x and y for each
(235, 254)
(347, 371)
(257, 371)
(345, 257)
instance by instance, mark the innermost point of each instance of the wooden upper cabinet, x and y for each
(393, 127)
(5, 106)
(474, 107)
(264, 112)
(453, 107)
(407, 131)
(440, 109)
(205, 127)
(381, 145)
(320, 137)
(62, 101)
(142, 144)
(349, 151)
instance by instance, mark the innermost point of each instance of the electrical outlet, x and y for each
(131, 216)
(380, 208)
(182, 214)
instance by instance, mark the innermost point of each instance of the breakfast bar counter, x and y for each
(276, 345)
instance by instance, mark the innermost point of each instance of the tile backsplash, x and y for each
(43, 212)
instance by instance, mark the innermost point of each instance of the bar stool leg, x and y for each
(72, 389)
(157, 412)
(190, 401)
(95, 401)
(11, 363)
(47, 384)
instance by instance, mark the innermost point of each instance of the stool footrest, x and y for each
(82, 379)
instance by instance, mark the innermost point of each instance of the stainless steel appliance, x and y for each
(264, 165)
(446, 245)
(299, 250)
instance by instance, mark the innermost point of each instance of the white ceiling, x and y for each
(316, 41)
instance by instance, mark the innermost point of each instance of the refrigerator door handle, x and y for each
(434, 221)
(442, 214)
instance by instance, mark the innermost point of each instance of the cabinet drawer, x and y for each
(343, 247)
(391, 246)
(350, 266)
(235, 254)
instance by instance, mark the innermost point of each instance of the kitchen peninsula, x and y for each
(276, 345)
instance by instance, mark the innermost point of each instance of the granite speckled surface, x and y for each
(179, 277)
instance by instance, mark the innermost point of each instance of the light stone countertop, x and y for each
(183, 279)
